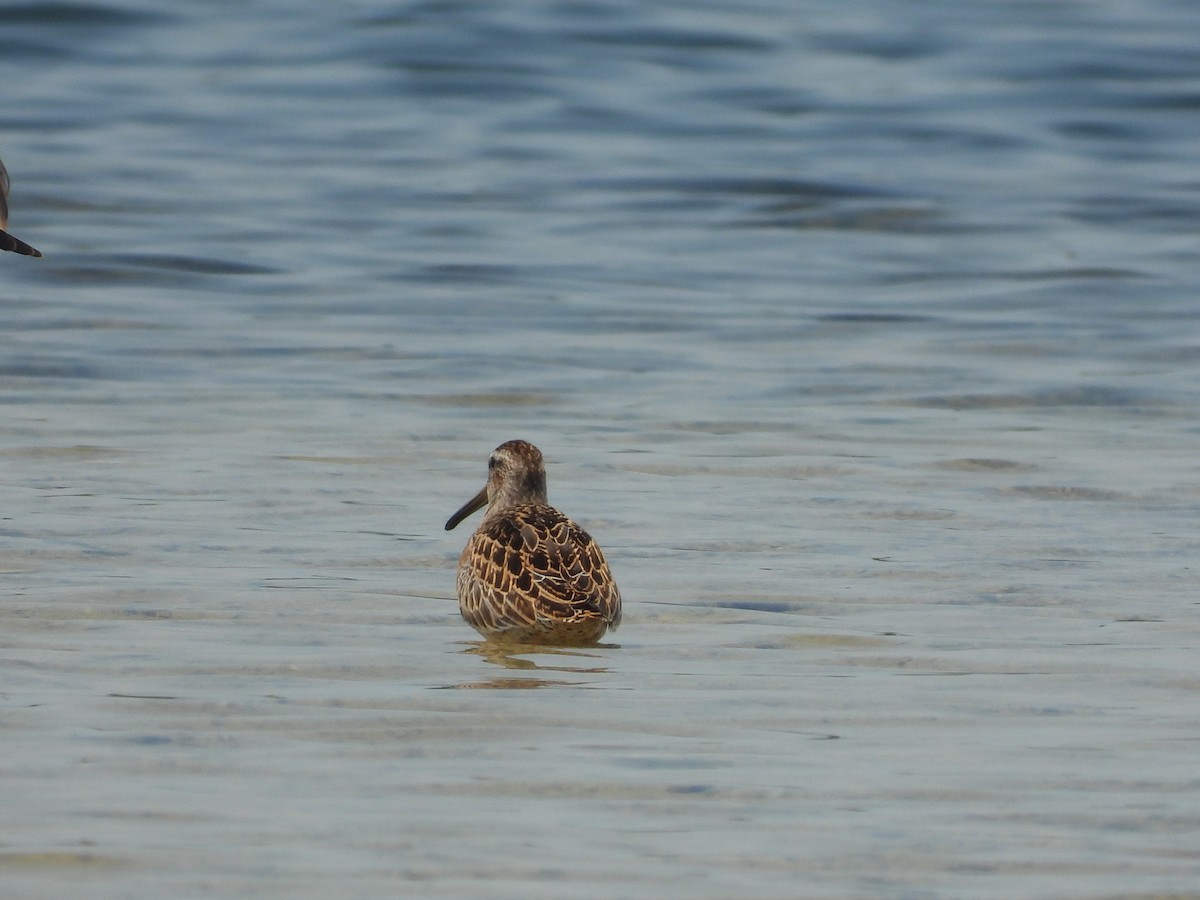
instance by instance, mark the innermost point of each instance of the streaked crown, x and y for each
(516, 475)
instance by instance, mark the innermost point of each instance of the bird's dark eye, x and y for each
(491, 463)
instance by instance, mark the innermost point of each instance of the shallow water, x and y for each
(864, 338)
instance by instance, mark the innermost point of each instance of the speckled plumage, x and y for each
(529, 574)
(7, 241)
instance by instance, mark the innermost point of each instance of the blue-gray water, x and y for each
(865, 338)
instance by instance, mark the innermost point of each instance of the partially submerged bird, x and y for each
(529, 574)
(7, 241)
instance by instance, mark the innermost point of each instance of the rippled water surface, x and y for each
(864, 337)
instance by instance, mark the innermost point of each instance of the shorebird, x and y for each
(7, 241)
(529, 574)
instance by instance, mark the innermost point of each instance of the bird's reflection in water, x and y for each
(514, 656)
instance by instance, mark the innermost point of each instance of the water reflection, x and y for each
(505, 684)
(515, 656)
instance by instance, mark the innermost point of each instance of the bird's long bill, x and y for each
(16, 245)
(477, 502)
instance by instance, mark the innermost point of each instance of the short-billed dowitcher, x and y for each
(7, 241)
(529, 574)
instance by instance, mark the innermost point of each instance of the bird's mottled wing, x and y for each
(535, 565)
